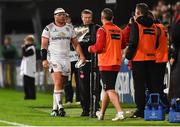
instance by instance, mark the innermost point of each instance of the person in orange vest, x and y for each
(161, 58)
(142, 51)
(109, 46)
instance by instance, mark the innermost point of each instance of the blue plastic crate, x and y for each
(174, 117)
(154, 110)
(174, 113)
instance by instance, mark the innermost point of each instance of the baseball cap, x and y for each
(59, 10)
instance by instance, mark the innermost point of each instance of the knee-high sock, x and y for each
(55, 105)
(58, 97)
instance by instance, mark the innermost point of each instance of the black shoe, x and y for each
(61, 112)
(85, 113)
(137, 114)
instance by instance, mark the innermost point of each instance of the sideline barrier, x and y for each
(10, 76)
(124, 85)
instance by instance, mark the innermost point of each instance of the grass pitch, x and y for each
(14, 110)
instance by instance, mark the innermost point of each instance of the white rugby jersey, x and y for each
(59, 41)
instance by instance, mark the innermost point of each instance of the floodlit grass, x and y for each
(13, 108)
(1, 124)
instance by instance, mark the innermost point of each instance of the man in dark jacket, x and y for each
(141, 51)
(86, 34)
(174, 90)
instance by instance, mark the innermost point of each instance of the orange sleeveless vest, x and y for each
(146, 49)
(112, 53)
(162, 50)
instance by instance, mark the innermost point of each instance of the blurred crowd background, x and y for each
(21, 17)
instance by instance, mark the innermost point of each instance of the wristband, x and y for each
(44, 54)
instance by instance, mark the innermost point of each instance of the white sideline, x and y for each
(12, 123)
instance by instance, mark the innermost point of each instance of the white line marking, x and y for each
(12, 123)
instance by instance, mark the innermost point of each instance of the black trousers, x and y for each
(160, 70)
(174, 88)
(144, 76)
(84, 86)
(69, 92)
(29, 87)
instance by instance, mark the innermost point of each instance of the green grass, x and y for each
(13, 108)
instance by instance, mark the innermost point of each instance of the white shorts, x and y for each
(60, 66)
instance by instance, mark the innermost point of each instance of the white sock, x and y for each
(58, 96)
(55, 106)
(120, 113)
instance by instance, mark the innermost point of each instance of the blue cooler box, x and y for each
(174, 113)
(154, 110)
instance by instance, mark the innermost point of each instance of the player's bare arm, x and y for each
(78, 49)
(44, 45)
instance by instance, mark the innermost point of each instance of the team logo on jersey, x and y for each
(62, 34)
